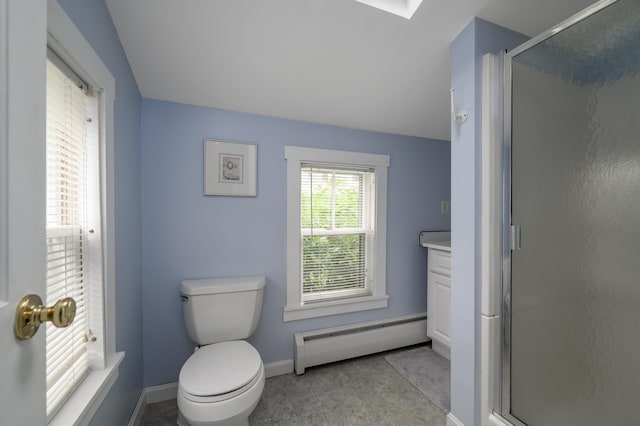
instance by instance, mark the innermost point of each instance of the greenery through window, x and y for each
(336, 217)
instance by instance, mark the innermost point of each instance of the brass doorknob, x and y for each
(30, 314)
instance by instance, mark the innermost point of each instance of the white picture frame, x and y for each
(230, 168)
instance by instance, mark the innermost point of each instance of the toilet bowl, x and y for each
(222, 382)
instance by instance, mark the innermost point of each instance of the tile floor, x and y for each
(362, 391)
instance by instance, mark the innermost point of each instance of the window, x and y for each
(81, 361)
(71, 130)
(336, 232)
(338, 228)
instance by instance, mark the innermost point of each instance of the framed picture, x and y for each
(230, 168)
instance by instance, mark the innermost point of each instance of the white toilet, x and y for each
(221, 383)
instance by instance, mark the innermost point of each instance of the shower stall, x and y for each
(568, 345)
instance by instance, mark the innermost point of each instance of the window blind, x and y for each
(336, 230)
(66, 205)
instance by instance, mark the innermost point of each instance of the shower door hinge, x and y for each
(515, 237)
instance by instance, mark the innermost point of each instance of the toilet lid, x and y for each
(220, 368)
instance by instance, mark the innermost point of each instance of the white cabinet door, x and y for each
(441, 317)
(439, 295)
(439, 300)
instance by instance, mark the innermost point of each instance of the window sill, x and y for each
(333, 307)
(86, 400)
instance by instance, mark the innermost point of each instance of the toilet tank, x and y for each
(221, 309)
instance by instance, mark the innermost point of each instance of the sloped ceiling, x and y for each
(334, 62)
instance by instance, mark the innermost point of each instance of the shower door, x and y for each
(572, 282)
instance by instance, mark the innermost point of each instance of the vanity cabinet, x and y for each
(439, 299)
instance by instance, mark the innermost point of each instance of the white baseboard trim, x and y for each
(441, 349)
(161, 392)
(494, 420)
(169, 391)
(278, 368)
(136, 416)
(453, 421)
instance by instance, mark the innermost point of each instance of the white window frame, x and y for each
(295, 309)
(366, 229)
(70, 45)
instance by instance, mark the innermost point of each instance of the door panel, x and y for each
(442, 294)
(22, 377)
(575, 192)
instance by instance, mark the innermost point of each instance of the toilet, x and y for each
(221, 383)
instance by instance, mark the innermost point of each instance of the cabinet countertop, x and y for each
(439, 245)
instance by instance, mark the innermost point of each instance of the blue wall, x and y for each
(188, 235)
(478, 38)
(93, 20)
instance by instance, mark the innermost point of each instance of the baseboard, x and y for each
(149, 396)
(136, 416)
(170, 390)
(441, 349)
(495, 420)
(453, 421)
(278, 368)
(160, 393)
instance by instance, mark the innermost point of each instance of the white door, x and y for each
(23, 30)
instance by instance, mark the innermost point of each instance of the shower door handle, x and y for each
(515, 237)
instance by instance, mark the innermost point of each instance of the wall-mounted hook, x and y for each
(459, 117)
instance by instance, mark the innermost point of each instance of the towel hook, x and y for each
(459, 117)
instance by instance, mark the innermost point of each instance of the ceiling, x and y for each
(336, 62)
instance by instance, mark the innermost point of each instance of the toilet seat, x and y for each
(224, 396)
(220, 371)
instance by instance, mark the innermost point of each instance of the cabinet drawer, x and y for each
(437, 279)
(440, 262)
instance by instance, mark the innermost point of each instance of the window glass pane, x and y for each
(66, 355)
(331, 199)
(333, 262)
(348, 195)
(337, 232)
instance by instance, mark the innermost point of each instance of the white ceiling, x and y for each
(334, 62)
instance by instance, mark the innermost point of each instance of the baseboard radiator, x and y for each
(335, 344)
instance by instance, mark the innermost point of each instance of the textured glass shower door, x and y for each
(573, 296)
